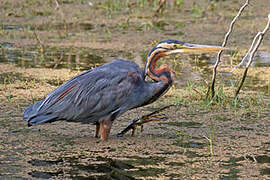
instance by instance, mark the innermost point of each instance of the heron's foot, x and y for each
(147, 119)
(154, 116)
(135, 128)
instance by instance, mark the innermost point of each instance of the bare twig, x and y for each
(254, 159)
(57, 61)
(253, 49)
(161, 5)
(197, 91)
(58, 8)
(224, 44)
(57, 5)
(255, 40)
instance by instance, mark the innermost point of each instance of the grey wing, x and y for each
(92, 95)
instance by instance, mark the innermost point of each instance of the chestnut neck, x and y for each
(162, 73)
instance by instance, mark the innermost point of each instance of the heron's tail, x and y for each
(33, 117)
(39, 119)
(31, 110)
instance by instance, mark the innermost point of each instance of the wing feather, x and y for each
(93, 94)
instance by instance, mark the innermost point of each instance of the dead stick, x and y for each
(224, 44)
(57, 5)
(253, 49)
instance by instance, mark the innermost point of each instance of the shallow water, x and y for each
(80, 59)
(85, 59)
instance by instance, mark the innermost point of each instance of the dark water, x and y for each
(234, 162)
(96, 167)
(54, 57)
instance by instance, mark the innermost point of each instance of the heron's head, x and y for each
(167, 47)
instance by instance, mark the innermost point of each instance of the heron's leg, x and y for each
(154, 116)
(105, 127)
(97, 130)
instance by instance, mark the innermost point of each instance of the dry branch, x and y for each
(253, 49)
(59, 9)
(57, 5)
(224, 44)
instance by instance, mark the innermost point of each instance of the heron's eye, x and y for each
(175, 46)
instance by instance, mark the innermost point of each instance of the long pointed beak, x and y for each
(194, 48)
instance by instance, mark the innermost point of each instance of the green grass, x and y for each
(197, 10)
(179, 3)
(211, 139)
(195, 94)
